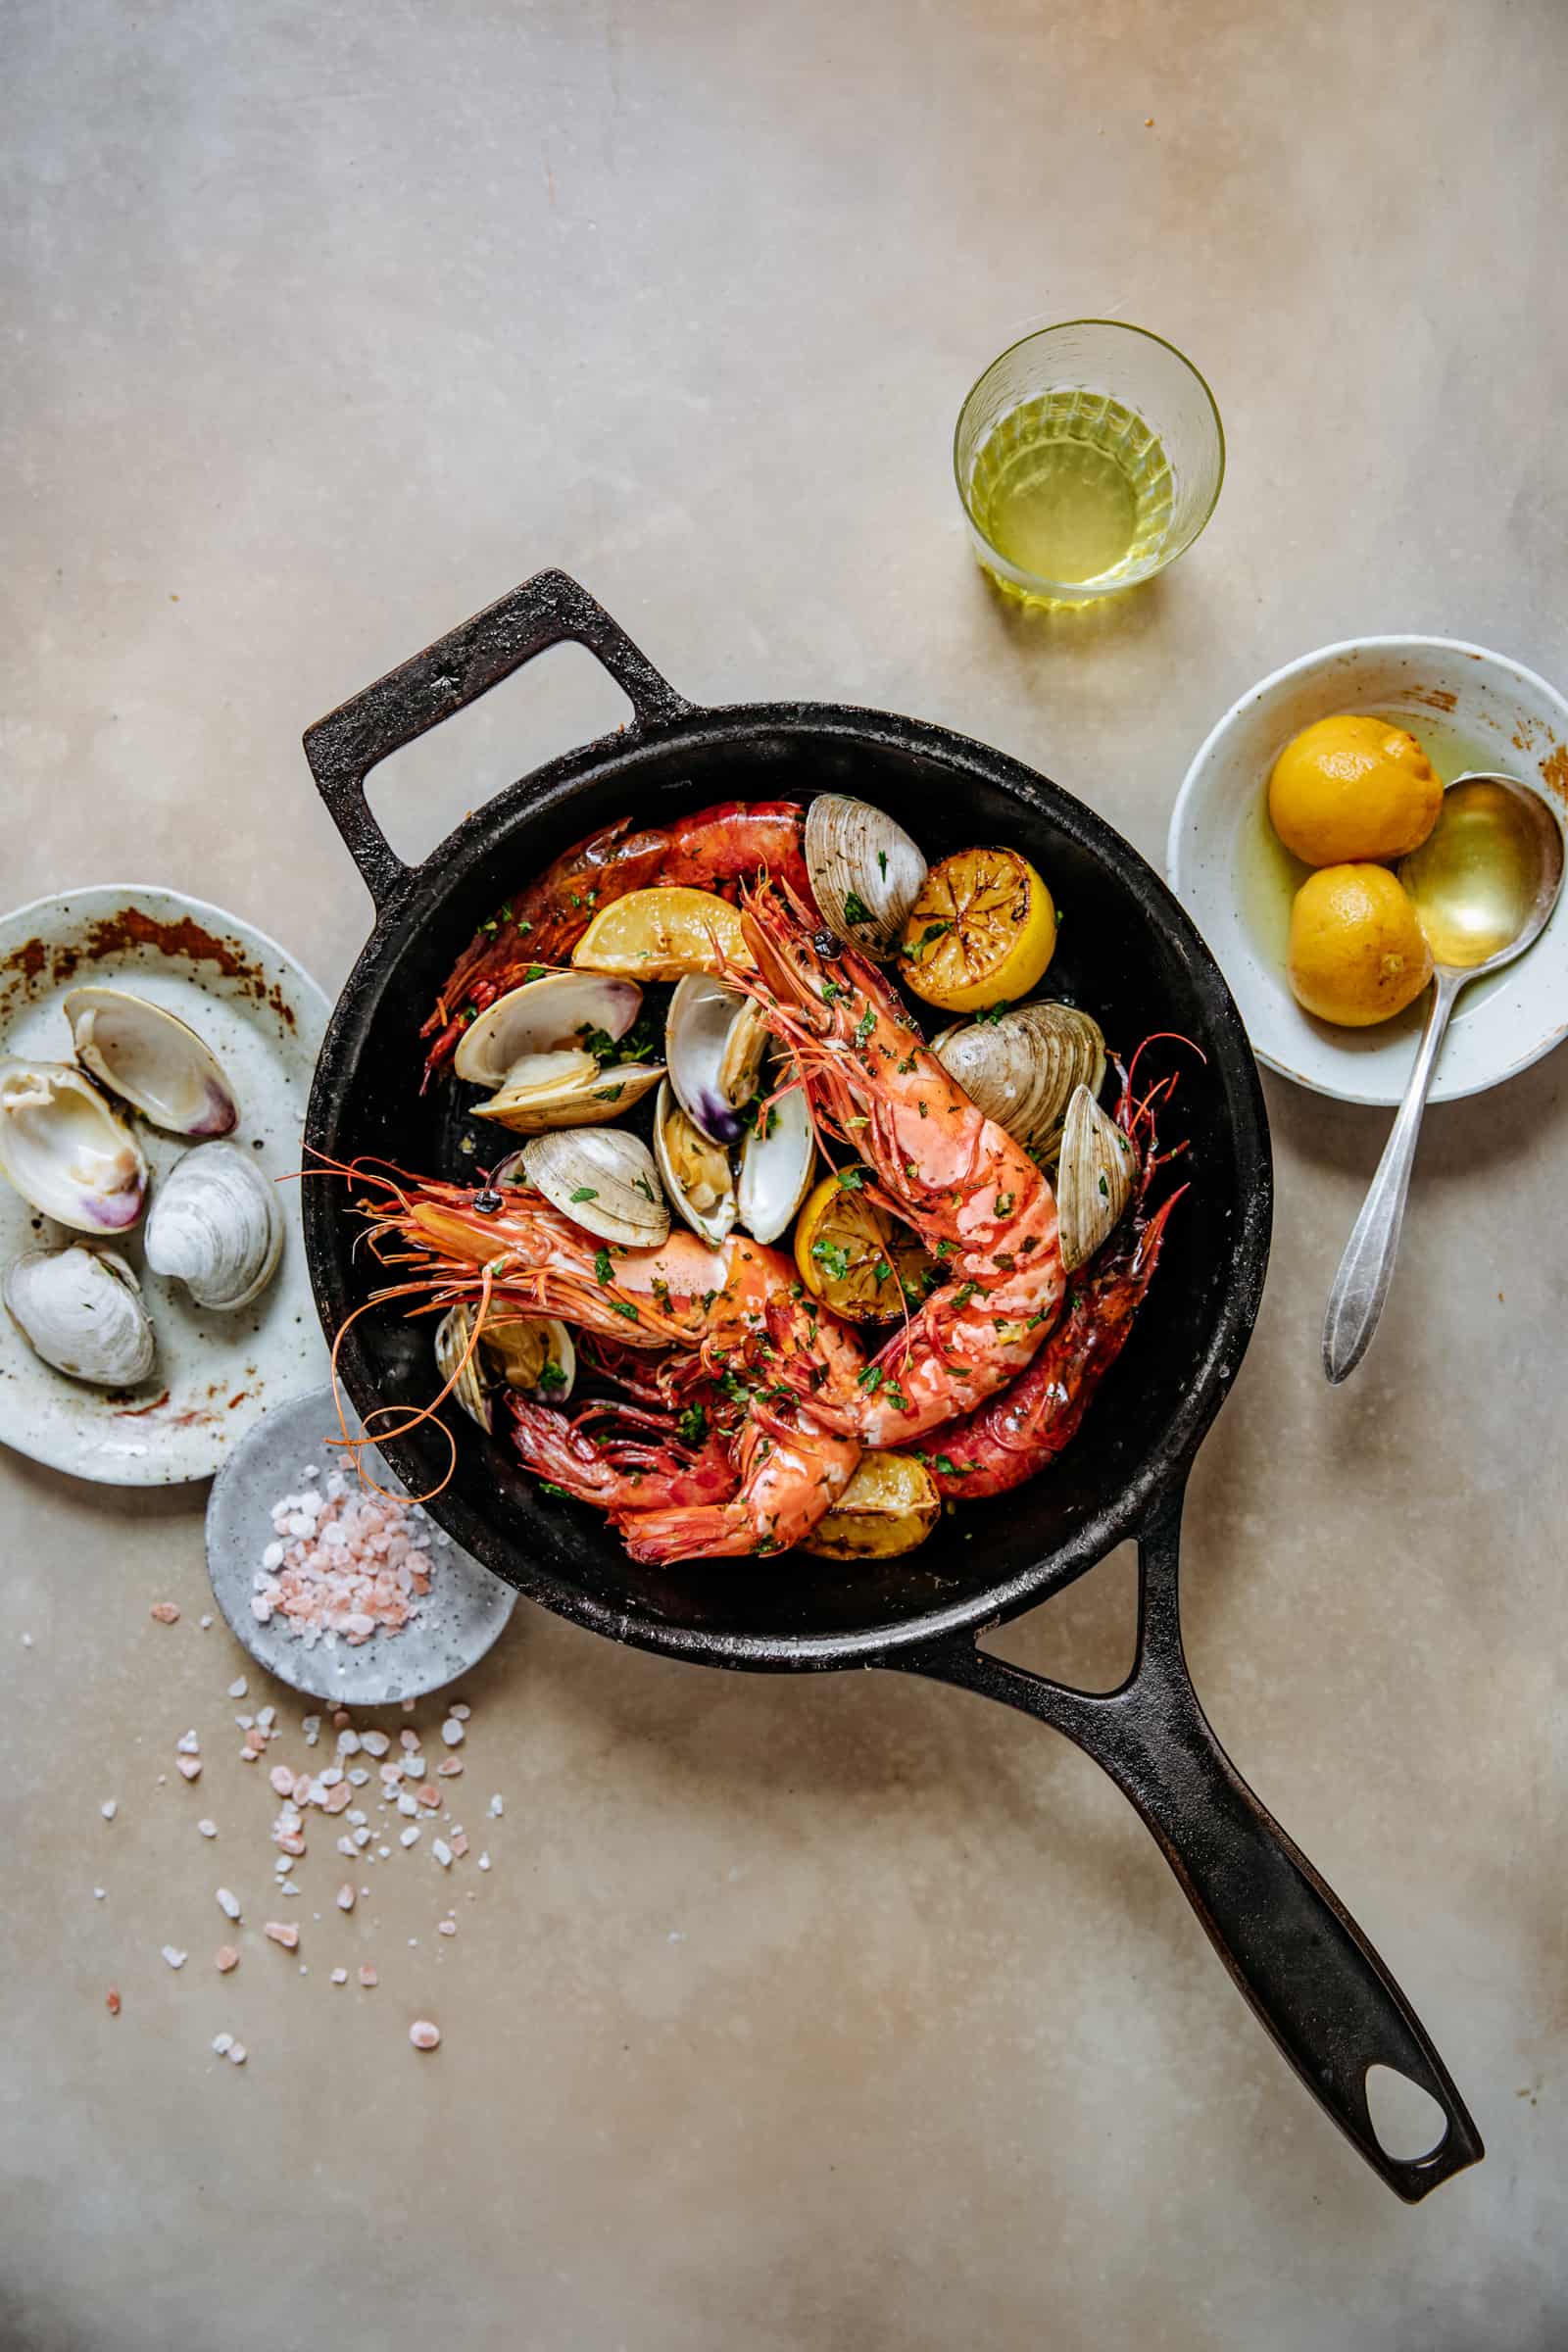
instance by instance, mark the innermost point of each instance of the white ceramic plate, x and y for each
(459, 1620)
(1472, 709)
(264, 1018)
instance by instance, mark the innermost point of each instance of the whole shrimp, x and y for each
(508, 1250)
(972, 1194)
(1014, 1436)
(713, 848)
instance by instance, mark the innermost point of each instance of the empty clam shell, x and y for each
(215, 1226)
(1021, 1069)
(605, 1180)
(778, 1159)
(152, 1059)
(65, 1149)
(715, 1040)
(865, 871)
(695, 1172)
(81, 1310)
(1095, 1181)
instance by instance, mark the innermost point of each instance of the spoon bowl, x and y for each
(1484, 882)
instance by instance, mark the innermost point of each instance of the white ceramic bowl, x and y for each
(1472, 709)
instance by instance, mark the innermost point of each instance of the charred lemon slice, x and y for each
(982, 929)
(661, 935)
(890, 1505)
(852, 1255)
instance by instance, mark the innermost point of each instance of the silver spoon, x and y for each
(1484, 883)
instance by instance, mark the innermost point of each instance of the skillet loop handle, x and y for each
(546, 610)
(1296, 1955)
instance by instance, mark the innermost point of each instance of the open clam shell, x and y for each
(605, 1180)
(533, 1354)
(65, 1149)
(1021, 1069)
(777, 1160)
(715, 1044)
(215, 1226)
(865, 871)
(81, 1310)
(695, 1172)
(152, 1059)
(535, 1047)
(1095, 1181)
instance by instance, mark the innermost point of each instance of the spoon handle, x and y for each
(1361, 1285)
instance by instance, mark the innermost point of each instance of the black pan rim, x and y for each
(1163, 1466)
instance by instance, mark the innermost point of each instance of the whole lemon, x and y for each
(1349, 788)
(1357, 952)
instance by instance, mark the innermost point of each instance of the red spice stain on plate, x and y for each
(1555, 772)
(132, 930)
(1436, 698)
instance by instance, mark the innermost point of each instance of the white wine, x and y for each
(1072, 488)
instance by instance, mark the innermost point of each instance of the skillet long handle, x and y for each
(1296, 1955)
(546, 610)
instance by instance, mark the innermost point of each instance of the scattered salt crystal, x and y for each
(112, 2001)
(355, 1815)
(484, 1861)
(459, 1842)
(311, 1470)
(205, 1623)
(98, 1894)
(228, 1902)
(452, 1732)
(208, 1829)
(347, 1742)
(429, 1794)
(174, 1956)
(442, 1852)
(424, 2035)
(237, 2054)
(369, 1975)
(374, 1744)
(187, 1744)
(225, 1959)
(358, 1775)
(406, 1803)
(223, 2043)
(330, 1776)
(406, 1704)
(344, 1896)
(311, 1726)
(385, 1851)
(497, 1808)
(450, 1767)
(413, 1768)
(26, 1640)
(284, 1932)
(245, 1722)
(288, 1886)
(340, 1975)
(362, 1838)
(272, 1556)
(340, 1719)
(238, 1687)
(345, 1845)
(410, 1835)
(282, 1779)
(461, 1710)
(190, 1767)
(165, 1611)
(266, 1718)
(409, 1740)
(336, 1798)
(109, 1808)
(446, 1927)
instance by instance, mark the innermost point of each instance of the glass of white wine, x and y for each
(1089, 456)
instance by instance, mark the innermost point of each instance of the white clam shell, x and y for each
(81, 1310)
(215, 1226)
(695, 1170)
(1095, 1181)
(65, 1149)
(577, 1093)
(605, 1180)
(857, 853)
(513, 1353)
(714, 1042)
(777, 1165)
(152, 1059)
(541, 1016)
(1021, 1069)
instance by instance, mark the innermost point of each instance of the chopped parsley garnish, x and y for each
(851, 1179)
(834, 1257)
(1004, 1205)
(928, 937)
(965, 1293)
(993, 1013)
(1105, 1190)
(1035, 1321)
(535, 971)
(735, 1388)
(623, 1306)
(865, 1025)
(643, 1186)
(950, 1468)
(882, 860)
(831, 992)
(905, 1065)
(551, 1375)
(693, 1425)
(586, 1192)
(601, 1265)
(546, 1488)
(882, 1270)
(870, 1380)
(609, 1094)
(855, 909)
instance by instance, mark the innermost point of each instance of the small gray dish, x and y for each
(459, 1617)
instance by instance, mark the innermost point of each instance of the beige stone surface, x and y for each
(851, 2013)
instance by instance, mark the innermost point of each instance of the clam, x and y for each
(715, 1040)
(1021, 1069)
(536, 1047)
(1096, 1178)
(152, 1059)
(695, 1172)
(605, 1180)
(66, 1150)
(777, 1158)
(866, 873)
(81, 1310)
(531, 1355)
(214, 1225)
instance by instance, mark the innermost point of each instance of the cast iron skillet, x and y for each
(1127, 950)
